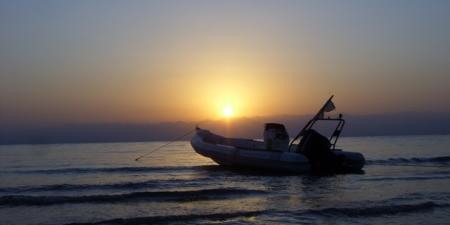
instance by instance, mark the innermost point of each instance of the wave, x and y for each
(117, 169)
(378, 210)
(371, 211)
(114, 186)
(194, 195)
(441, 160)
(406, 203)
(407, 178)
(174, 218)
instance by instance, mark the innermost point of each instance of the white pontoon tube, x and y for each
(313, 152)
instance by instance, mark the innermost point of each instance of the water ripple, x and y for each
(194, 195)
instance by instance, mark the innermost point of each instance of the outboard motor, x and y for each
(276, 137)
(317, 149)
(321, 151)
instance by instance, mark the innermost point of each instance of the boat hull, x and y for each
(266, 160)
(253, 156)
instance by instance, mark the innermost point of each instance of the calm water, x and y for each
(406, 181)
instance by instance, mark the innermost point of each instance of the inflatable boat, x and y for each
(308, 151)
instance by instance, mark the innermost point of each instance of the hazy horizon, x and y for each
(395, 124)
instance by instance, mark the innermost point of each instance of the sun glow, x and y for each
(228, 111)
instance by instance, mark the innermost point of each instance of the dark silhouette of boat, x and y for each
(308, 151)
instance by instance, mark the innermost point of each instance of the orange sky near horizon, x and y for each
(147, 62)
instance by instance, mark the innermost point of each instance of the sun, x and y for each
(228, 111)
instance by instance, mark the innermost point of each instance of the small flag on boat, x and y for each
(328, 107)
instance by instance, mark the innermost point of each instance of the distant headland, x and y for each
(393, 124)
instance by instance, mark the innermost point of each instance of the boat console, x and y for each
(276, 137)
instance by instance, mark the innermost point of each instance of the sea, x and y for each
(406, 181)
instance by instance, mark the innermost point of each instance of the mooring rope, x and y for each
(166, 144)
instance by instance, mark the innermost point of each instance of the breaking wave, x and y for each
(442, 160)
(407, 178)
(173, 218)
(195, 195)
(114, 186)
(370, 211)
(118, 169)
(378, 210)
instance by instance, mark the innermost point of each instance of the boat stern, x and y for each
(350, 161)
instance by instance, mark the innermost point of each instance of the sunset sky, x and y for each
(153, 61)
